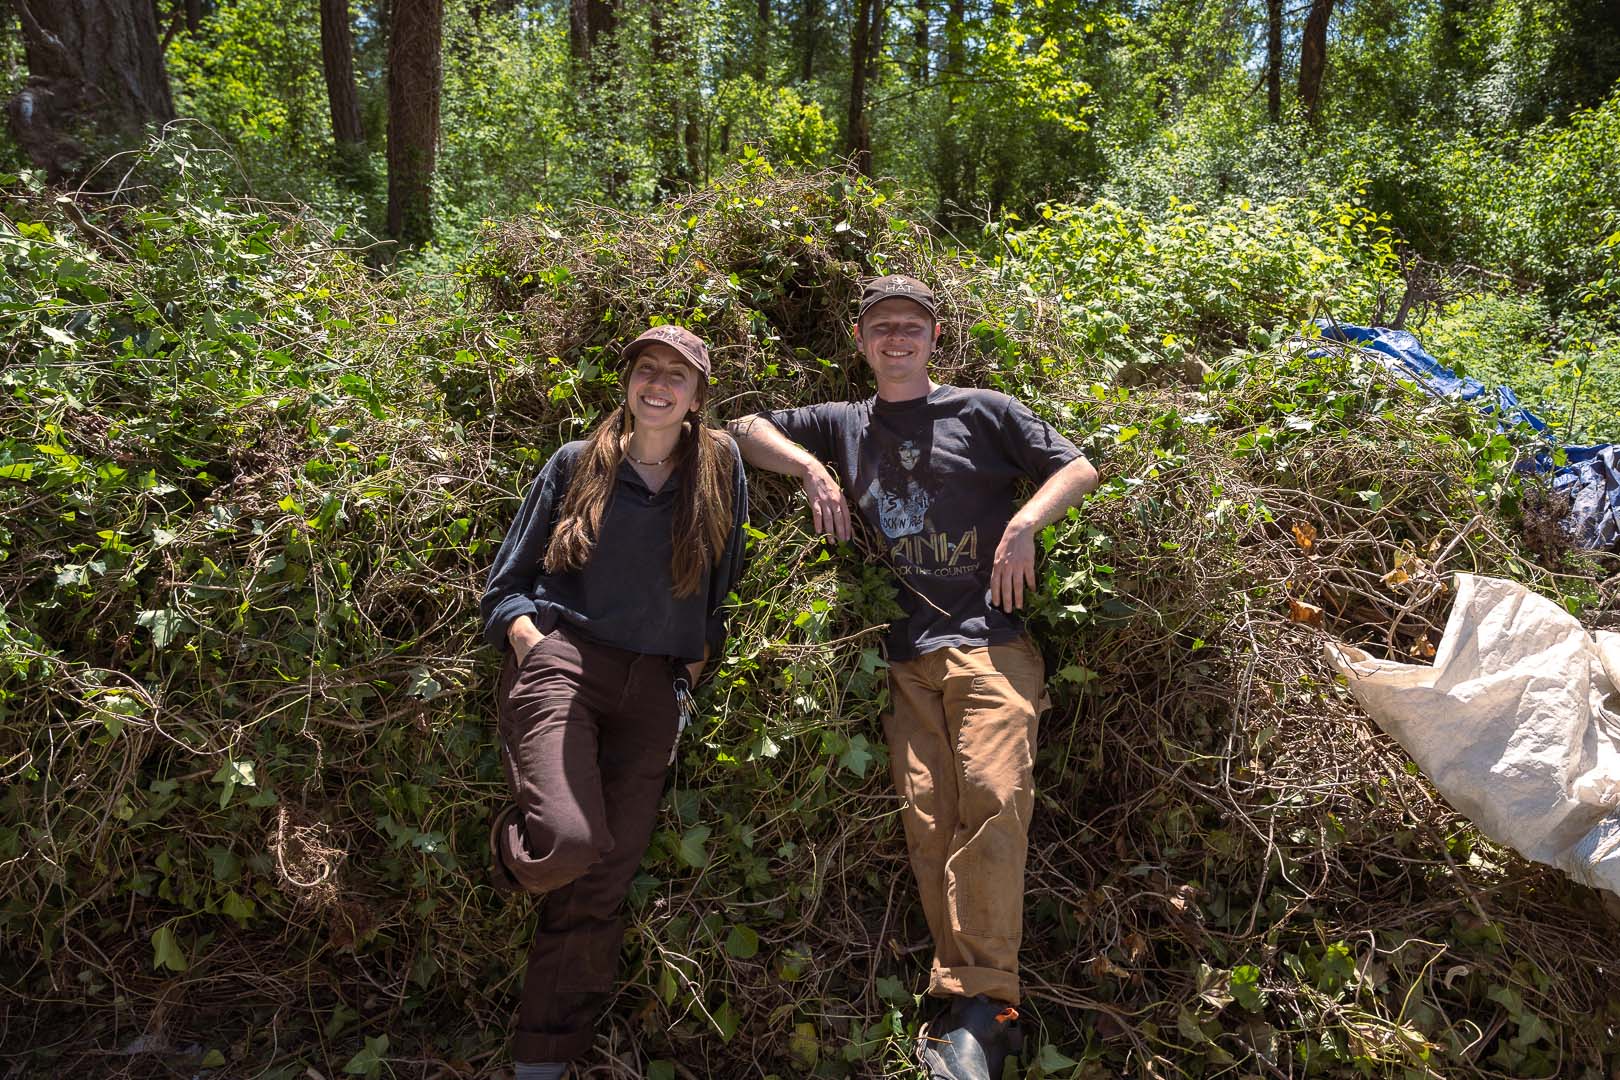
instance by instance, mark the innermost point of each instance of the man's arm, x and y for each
(764, 446)
(1014, 566)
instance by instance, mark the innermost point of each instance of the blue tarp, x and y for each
(1591, 475)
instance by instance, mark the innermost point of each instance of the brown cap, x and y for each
(682, 340)
(902, 286)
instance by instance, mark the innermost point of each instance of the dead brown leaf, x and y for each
(1103, 966)
(1301, 612)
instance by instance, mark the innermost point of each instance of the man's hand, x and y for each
(694, 672)
(829, 512)
(1013, 568)
(765, 447)
(523, 635)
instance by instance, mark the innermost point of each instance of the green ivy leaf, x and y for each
(742, 943)
(694, 851)
(1245, 987)
(237, 907)
(166, 624)
(422, 685)
(858, 758)
(1076, 674)
(370, 1059)
(726, 1021)
(231, 774)
(166, 951)
(890, 988)
(1052, 1060)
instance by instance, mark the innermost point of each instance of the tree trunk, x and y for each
(951, 166)
(1313, 57)
(337, 62)
(760, 63)
(94, 67)
(673, 132)
(193, 15)
(1274, 42)
(809, 32)
(413, 117)
(863, 45)
(590, 23)
(919, 42)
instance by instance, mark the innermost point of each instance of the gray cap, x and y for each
(897, 286)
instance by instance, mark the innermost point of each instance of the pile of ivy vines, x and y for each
(249, 489)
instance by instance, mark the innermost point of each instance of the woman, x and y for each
(605, 592)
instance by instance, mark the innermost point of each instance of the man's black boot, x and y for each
(971, 1040)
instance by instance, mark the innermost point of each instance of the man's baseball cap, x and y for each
(683, 341)
(901, 286)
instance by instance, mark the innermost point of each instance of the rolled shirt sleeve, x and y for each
(813, 427)
(509, 593)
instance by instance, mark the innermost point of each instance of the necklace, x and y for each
(638, 461)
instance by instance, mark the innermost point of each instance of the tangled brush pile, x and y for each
(249, 495)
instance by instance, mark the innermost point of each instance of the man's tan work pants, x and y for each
(962, 750)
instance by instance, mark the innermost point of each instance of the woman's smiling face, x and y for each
(661, 387)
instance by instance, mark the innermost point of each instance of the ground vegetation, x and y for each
(255, 457)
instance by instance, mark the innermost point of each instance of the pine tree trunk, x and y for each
(337, 62)
(863, 46)
(95, 67)
(590, 23)
(809, 33)
(1313, 57)
(919, 42)
(951, 167)
(413, 117)
(1274, 44)
(761, 59)
(666, 118)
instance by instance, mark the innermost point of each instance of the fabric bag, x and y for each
(1516, 723)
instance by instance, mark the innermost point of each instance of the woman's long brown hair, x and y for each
(702, 505)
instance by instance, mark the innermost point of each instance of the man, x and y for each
(932, 471)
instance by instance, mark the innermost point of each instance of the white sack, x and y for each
(1517, 724)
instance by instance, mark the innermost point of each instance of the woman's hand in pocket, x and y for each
(523, 635)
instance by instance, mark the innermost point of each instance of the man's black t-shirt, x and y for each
(934, 478)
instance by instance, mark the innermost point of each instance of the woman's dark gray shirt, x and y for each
(624, 595)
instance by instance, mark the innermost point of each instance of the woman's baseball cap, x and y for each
(683, 341)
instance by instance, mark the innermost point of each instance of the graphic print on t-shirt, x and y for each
(899, 485)
(901, 501)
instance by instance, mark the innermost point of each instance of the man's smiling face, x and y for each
(897, 336)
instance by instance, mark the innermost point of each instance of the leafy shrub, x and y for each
(1143, 289)
(1565, 368)
(249, 491)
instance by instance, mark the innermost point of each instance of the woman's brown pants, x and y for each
(585, 732)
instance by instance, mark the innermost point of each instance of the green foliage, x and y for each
(252, 75)
(1507, 338)
(1147, 290)
(509, 137)
(1540, 199)
(250, 488)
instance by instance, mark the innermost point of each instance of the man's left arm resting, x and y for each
(1014, 566)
